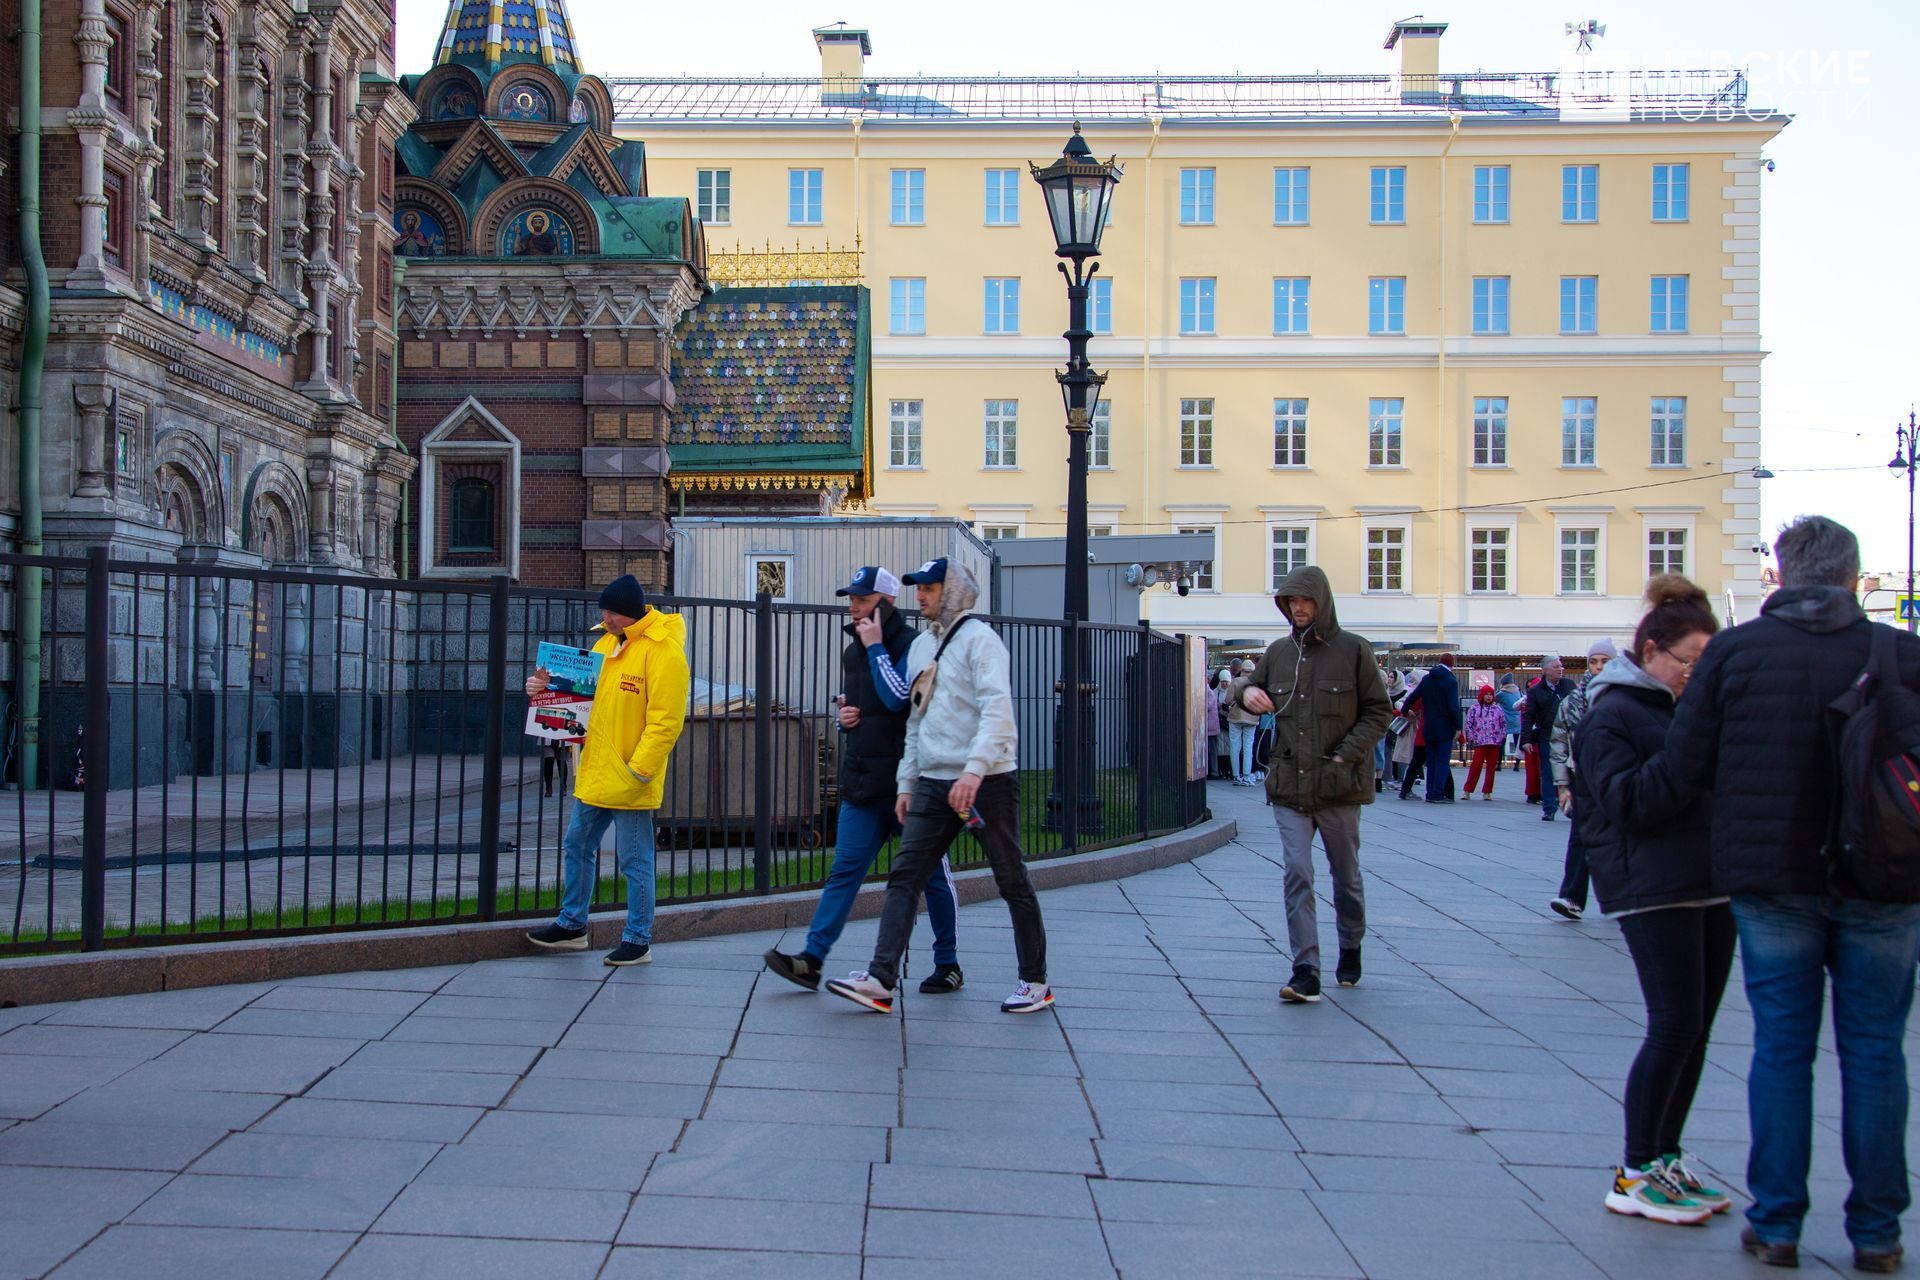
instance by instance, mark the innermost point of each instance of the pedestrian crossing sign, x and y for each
(1909, 608)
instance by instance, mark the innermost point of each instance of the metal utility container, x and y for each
(810, 557)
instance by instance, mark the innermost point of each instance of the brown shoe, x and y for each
(1784, 1253)
(1878, 1261)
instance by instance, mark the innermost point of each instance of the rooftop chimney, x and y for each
(843, 55)
(1419, 42)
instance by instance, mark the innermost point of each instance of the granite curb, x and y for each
(130, 971)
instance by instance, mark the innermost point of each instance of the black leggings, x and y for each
(1683, 956)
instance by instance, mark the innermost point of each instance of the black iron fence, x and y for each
(227, 752)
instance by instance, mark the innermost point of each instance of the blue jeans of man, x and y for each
(634, 849)
(1789, 945)
(1549, 798)
(1240, 738)
(863, 832)
(1440, 770)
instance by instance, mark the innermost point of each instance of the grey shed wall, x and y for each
(712, 555)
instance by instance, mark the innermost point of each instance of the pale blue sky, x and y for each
(1837, 211)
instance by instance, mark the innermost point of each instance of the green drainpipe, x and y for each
(33, 363)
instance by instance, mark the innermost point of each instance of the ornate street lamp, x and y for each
(1906, 446)
(1078, 191)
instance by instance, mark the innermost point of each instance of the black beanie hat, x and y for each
(624, 596)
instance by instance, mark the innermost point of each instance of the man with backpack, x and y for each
(1823, 883)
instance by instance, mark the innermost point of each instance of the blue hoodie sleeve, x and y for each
(889, 680)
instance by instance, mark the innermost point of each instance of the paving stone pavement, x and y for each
(1455, 1114)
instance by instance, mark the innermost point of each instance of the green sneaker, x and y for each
(1648, 1192)
(1681, 1172)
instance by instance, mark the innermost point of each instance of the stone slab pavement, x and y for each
(1454, 1115)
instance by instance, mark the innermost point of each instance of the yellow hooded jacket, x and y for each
(639, 707)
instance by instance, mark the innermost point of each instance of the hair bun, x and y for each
(1671, 588)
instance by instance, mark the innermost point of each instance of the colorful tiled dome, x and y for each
(491, 33)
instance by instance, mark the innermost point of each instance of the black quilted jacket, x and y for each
(1753, 728)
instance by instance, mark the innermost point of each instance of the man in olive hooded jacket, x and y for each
(1329, 707)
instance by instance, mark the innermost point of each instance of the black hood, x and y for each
(1311, 581)
(1816, 609)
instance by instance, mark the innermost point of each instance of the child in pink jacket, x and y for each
(1486, 734)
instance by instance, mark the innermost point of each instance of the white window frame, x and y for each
(1296, 413)
(1392, 452)
(1199, 413)
(1207, 580)
(1491, 208)
(1100, 305)
(1006, 516)
(999, 532)
(1580, 193)
(1506, 524)
(1277, 526)
(1297, 211)
(907, 198)
(906, 425)
(1570, 414)
(1663, 209)
(1387, 195)
(1296, 305)
(1100, 437)
(1000, 435)
(1196, 197)
(910, 321)
(999, 297)
(1389, 318)
(1585, 304)
(1001, 193)
(757, 558)
(1667, 531)
(1196, 306)
(808, 187)
(714, 196)
(1664, 314)
(1663, 424)
(1404, 527)
(1489, 319)
(1575, 523)
(1493, 409)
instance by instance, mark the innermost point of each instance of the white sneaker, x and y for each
(1028, 997)
(860, 987)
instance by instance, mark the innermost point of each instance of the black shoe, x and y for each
(801, 970)
(1546, 817)
(1378, 786)
(1348, 970)
(1878, 1261)
(1303, 987)
(554, 938)
(628, 953)
(944, 980)
(1782, 1253)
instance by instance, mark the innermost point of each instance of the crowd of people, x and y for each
(1698, 769)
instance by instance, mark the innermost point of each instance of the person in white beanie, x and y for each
(1571, 901)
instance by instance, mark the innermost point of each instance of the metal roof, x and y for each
(1680, 95)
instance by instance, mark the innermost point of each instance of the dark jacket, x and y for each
(1438, 694)
(870, 751)
(1537, 712)
(1754, 730)
(1646, 836)
(1328, 700)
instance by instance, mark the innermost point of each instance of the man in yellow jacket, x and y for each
(639, 707)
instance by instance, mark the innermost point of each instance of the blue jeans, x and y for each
(1549, 798)
(633, 844)
(1788, 947)
(1240, 745)
(1440, 770)
(863, 831)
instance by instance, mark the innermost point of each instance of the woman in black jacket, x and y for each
(1648, 846)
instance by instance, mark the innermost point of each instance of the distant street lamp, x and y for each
(1078, 190)
(1905, 447)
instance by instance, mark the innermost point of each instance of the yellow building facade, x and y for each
(1484, 347)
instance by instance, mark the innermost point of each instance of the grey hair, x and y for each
(1817, 552)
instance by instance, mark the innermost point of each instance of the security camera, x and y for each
(1184, 587)
(1767, 165)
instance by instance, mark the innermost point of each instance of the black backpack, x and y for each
(1873, 851)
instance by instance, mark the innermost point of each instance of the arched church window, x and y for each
(526, 101)
(470, 516)
(456, 101)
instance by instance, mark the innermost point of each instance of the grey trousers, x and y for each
(1340, 831)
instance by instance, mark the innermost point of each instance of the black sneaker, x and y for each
(801, 970)
(629, 953)
(1775, 1253)
(1303, 987)
(555, 938)
(944, 980)
(1348, 971)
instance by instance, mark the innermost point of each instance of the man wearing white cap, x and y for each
(873, 731)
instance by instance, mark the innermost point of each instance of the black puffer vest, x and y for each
(870, 751)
